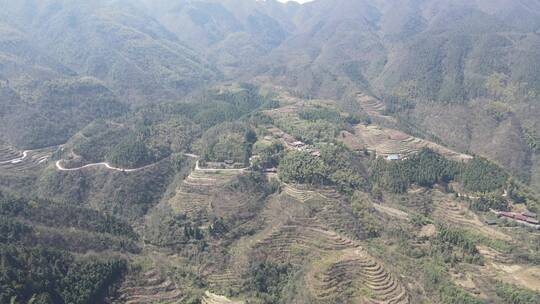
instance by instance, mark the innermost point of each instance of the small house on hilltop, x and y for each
(393, 157)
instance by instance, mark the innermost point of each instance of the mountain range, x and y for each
(255, 151)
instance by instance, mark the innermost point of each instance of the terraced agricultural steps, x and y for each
(13, 160)
(457, 214)
(302, 195)
(385, 141)
(354, 271)
(371, 105)
(345, 265)
(193, 195)
(8, 153)
(224, 279)
(300, 238)
(150, 288)
(210, 298)
(298, 194)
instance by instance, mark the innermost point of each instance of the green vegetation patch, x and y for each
(228, 141)
(514, 295)
(436, 280)
(449, 239)
(45, 276)
(267, 280)
(425, 168)
(337, 166)
(481, 175)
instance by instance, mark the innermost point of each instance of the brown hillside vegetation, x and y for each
(262, 152)
(385, 142)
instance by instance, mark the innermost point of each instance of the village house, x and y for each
(393, 157)
(519, 218)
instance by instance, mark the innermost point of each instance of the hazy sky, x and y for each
(299, 1)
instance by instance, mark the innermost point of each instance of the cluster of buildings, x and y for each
(301, 146)
(293, 143)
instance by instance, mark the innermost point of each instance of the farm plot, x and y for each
(222, 280)
(384, 142)
(299, 194)
(393, 212)
(14, 160)
(308, 234)
(497, 267)
(194, 195)
(210, 298)
(450, 211)
(354, 273)
(151, 287)
(303, 237)
(370, 104)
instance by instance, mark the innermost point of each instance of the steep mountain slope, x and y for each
(467, 61)
(343, 164)
(20, 58)
(48, 113)
(233, 33)
(115, 42)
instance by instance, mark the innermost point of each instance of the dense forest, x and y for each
(35, 270)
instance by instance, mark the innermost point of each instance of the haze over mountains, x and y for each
(335, 151)
(438, 55)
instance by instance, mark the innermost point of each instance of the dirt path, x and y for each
(104, 164)
(391, 212)
(198, 168)
(18, 159)
(60, 167)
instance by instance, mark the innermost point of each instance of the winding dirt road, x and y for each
(106, 165)
(198, 168)
(16, 160)
(60, 167)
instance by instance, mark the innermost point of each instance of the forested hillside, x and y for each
(245, 151)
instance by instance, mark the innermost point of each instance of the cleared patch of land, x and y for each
(355, 273)
(393, 212)
(210, 298)
(385, 141)
(455, 213)
(148, 288)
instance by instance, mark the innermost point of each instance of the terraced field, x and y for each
(298, 194)
(384, 142)
(149, 288)
(354, 273)
(223, 280)
(452, 212)
(497, 267)
(194, 195)
(13, 160)
(307, 236)
(337, 263)
(210, 298)
(370, 104)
